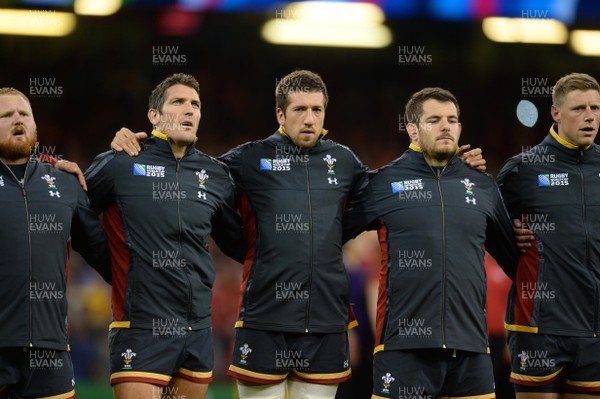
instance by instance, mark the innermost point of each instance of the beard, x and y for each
(17, 151)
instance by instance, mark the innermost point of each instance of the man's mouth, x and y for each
(18, 131)
(588, 129)
(187, 124)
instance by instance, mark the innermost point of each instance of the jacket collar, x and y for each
(564, 146)
(563, 142)
(165, 137)
(416, 151)
(161, 141)
(417, 148)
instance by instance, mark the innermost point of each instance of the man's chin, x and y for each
(444, 153)
(449, 148)
(586, 141)
(306, 144)
(16, 151)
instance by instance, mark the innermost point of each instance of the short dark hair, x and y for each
(571, 82)
(13, 92)
(302, 81)
(157, 97)
(414, 106)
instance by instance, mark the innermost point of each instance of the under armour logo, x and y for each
(470, 200)
(54, 194)
(201, 195)
(332, 180)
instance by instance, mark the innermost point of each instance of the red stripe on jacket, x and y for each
(113, 226)
(383, 274)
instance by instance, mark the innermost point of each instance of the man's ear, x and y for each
(153, 116)
(413, 132)
(280, 116)
(555, 112)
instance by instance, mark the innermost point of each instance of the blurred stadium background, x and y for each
(88, 67)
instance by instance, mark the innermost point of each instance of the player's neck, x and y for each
(179, 149)
(20, 161)
(436, 162)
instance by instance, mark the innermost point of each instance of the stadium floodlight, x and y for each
(333, 24)
(97, 7)
(525, 30)
(586, 42)
(36, 22)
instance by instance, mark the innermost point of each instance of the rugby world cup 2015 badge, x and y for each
(411, 190)
(275, 164)
(141, 169)
(553, 179)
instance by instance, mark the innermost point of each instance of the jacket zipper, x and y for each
(310, 274)
(587, 243)
(24, 193)
(189, 309)
(439, 184)
(30, 256)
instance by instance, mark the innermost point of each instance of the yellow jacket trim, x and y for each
(164, 137)
(119, 324)
(564, 142)
(378, 348)
(415, 147)
(238, 324)
(516, 327)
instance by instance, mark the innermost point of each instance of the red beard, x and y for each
(16, 151)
